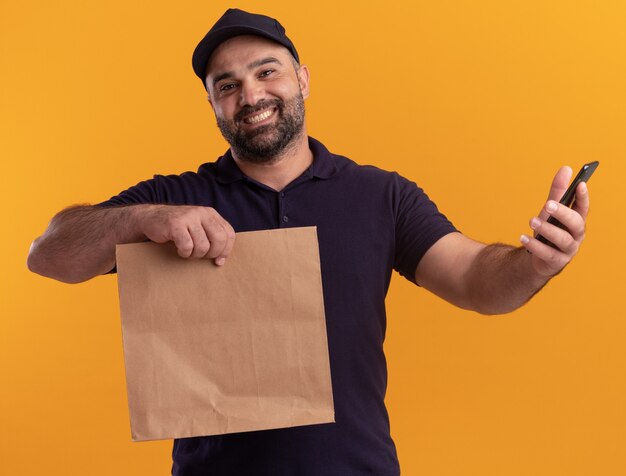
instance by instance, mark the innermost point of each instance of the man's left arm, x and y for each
(497, 278)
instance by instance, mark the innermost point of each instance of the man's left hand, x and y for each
(546, 260)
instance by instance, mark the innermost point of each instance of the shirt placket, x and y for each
(283, 210)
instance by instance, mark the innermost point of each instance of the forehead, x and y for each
(239, 51)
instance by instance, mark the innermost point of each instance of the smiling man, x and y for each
(269, 120)
(257, 91)
(370, 222)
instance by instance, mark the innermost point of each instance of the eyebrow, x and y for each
(254, 64)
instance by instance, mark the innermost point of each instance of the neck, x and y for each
(280, 172)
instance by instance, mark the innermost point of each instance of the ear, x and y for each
(208, 92)
(208, 97)
(303, 79)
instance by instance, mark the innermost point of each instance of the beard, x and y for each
(265, 144)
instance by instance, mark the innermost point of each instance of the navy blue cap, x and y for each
(236, 22)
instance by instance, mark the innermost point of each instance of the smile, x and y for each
(259, 117)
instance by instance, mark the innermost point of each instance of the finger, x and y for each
(554, 259)
(570, 219)
(558, 187)
(581, 203)
(560, 183)
(184, 243)
(230, 242)
(201, 244)
(559, 237)
(215, 229)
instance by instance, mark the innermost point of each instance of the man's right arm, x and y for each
(80, 241)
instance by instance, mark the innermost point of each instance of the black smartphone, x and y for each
(568, 198)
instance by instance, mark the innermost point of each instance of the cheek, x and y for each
(290, 90)
(284, 89)
(222, 111)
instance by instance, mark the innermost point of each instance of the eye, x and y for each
(266, 73)
(226, 87)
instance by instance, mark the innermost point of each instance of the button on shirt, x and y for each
(369, 222)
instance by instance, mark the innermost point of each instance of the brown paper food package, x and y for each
(212, 350)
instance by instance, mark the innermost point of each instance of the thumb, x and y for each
(558, 188)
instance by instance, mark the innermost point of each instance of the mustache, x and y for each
(262, 104)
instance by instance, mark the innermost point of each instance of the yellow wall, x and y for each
(478, 101)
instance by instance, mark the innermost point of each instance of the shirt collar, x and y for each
(323, 165)
(227, 170)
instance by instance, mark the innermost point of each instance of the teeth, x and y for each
(258, 118)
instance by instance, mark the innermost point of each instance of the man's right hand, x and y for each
(80, 241)
(197, 232)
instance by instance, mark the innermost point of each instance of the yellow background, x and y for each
(478, 101)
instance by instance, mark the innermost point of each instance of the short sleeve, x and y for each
(419, 225)
(144, 192)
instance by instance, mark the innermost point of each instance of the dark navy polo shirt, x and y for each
(369, 222)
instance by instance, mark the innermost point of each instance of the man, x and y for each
(369, 223)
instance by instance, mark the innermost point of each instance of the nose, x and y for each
(251, 93)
